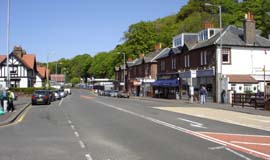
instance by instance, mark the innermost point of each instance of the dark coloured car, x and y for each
(41, 97)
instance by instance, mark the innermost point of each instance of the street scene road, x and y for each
(87, 126)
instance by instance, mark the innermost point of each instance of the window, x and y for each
(233, 87)
(187, 63)
(247, 87)
(162, 65)
(203, 55)
(226, 56)
(173, 63)
(14, 70)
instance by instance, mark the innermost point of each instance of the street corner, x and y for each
(10, 117)
(256, 145)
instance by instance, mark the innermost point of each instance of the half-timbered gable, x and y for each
(22, 69)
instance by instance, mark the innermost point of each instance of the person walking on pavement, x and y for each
(10, 98)
(203, 93)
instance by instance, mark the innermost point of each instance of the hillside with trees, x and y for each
(142, 36)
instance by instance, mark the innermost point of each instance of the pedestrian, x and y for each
(203, 93)
(10, 98)
(223, 94)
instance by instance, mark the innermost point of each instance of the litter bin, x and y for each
(267, 104)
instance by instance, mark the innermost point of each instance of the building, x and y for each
(142, 72)
(40, 77)
(23, 70)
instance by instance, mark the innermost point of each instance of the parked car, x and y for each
(57, 95)
(41, 97)
(123, 94)
(67, 90)
(62, 93)
(114, 93)
(107, 93)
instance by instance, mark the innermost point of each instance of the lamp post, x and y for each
(219, 56)
(8, 30)
(47, 73)
(124, 69)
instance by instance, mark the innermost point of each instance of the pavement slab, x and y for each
(238, 118)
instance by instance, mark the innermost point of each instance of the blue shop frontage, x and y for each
(166, 86)
(181, 84)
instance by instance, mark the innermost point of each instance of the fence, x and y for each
(251, 100)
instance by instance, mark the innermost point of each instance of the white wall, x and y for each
(247, 61)
(23, 83)
(38, 82)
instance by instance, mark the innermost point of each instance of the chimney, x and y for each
(249, 29)
(141, 55)
(19, 51)
(130, 59)
(158, 46)
(208, 25)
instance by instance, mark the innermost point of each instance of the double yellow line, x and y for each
(20, 118)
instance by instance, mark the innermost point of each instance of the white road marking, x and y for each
(61, 101)
(197, 134)
(193, 123)
(88, 157)
(82, 144)
(76, 134)
(69, 122)
(251, 143)
(72, 126)
(216, 148)
(238, 154)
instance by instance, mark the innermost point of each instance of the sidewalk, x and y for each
(20, 105)
(228, 107)
(247, 116)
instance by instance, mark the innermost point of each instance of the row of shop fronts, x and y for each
(175, 85)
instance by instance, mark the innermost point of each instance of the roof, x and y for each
(232, 36)
(241, 79)
(58, 77)
(164, 53)
(41, 71)
(29, 60)
(2, 58)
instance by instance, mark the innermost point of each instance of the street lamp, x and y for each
(8, 27)
(124, 69)
(219, 56)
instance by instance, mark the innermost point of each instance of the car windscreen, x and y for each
(40, 92)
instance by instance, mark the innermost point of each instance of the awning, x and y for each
(166, 83)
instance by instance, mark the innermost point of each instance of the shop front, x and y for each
(166, 88)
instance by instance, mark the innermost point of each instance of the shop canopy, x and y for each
(166, 83)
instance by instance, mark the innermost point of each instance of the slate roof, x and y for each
(232, 36)
(164, 53)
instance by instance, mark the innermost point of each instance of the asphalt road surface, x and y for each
(87, 127)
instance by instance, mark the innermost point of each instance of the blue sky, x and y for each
(66, 28)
